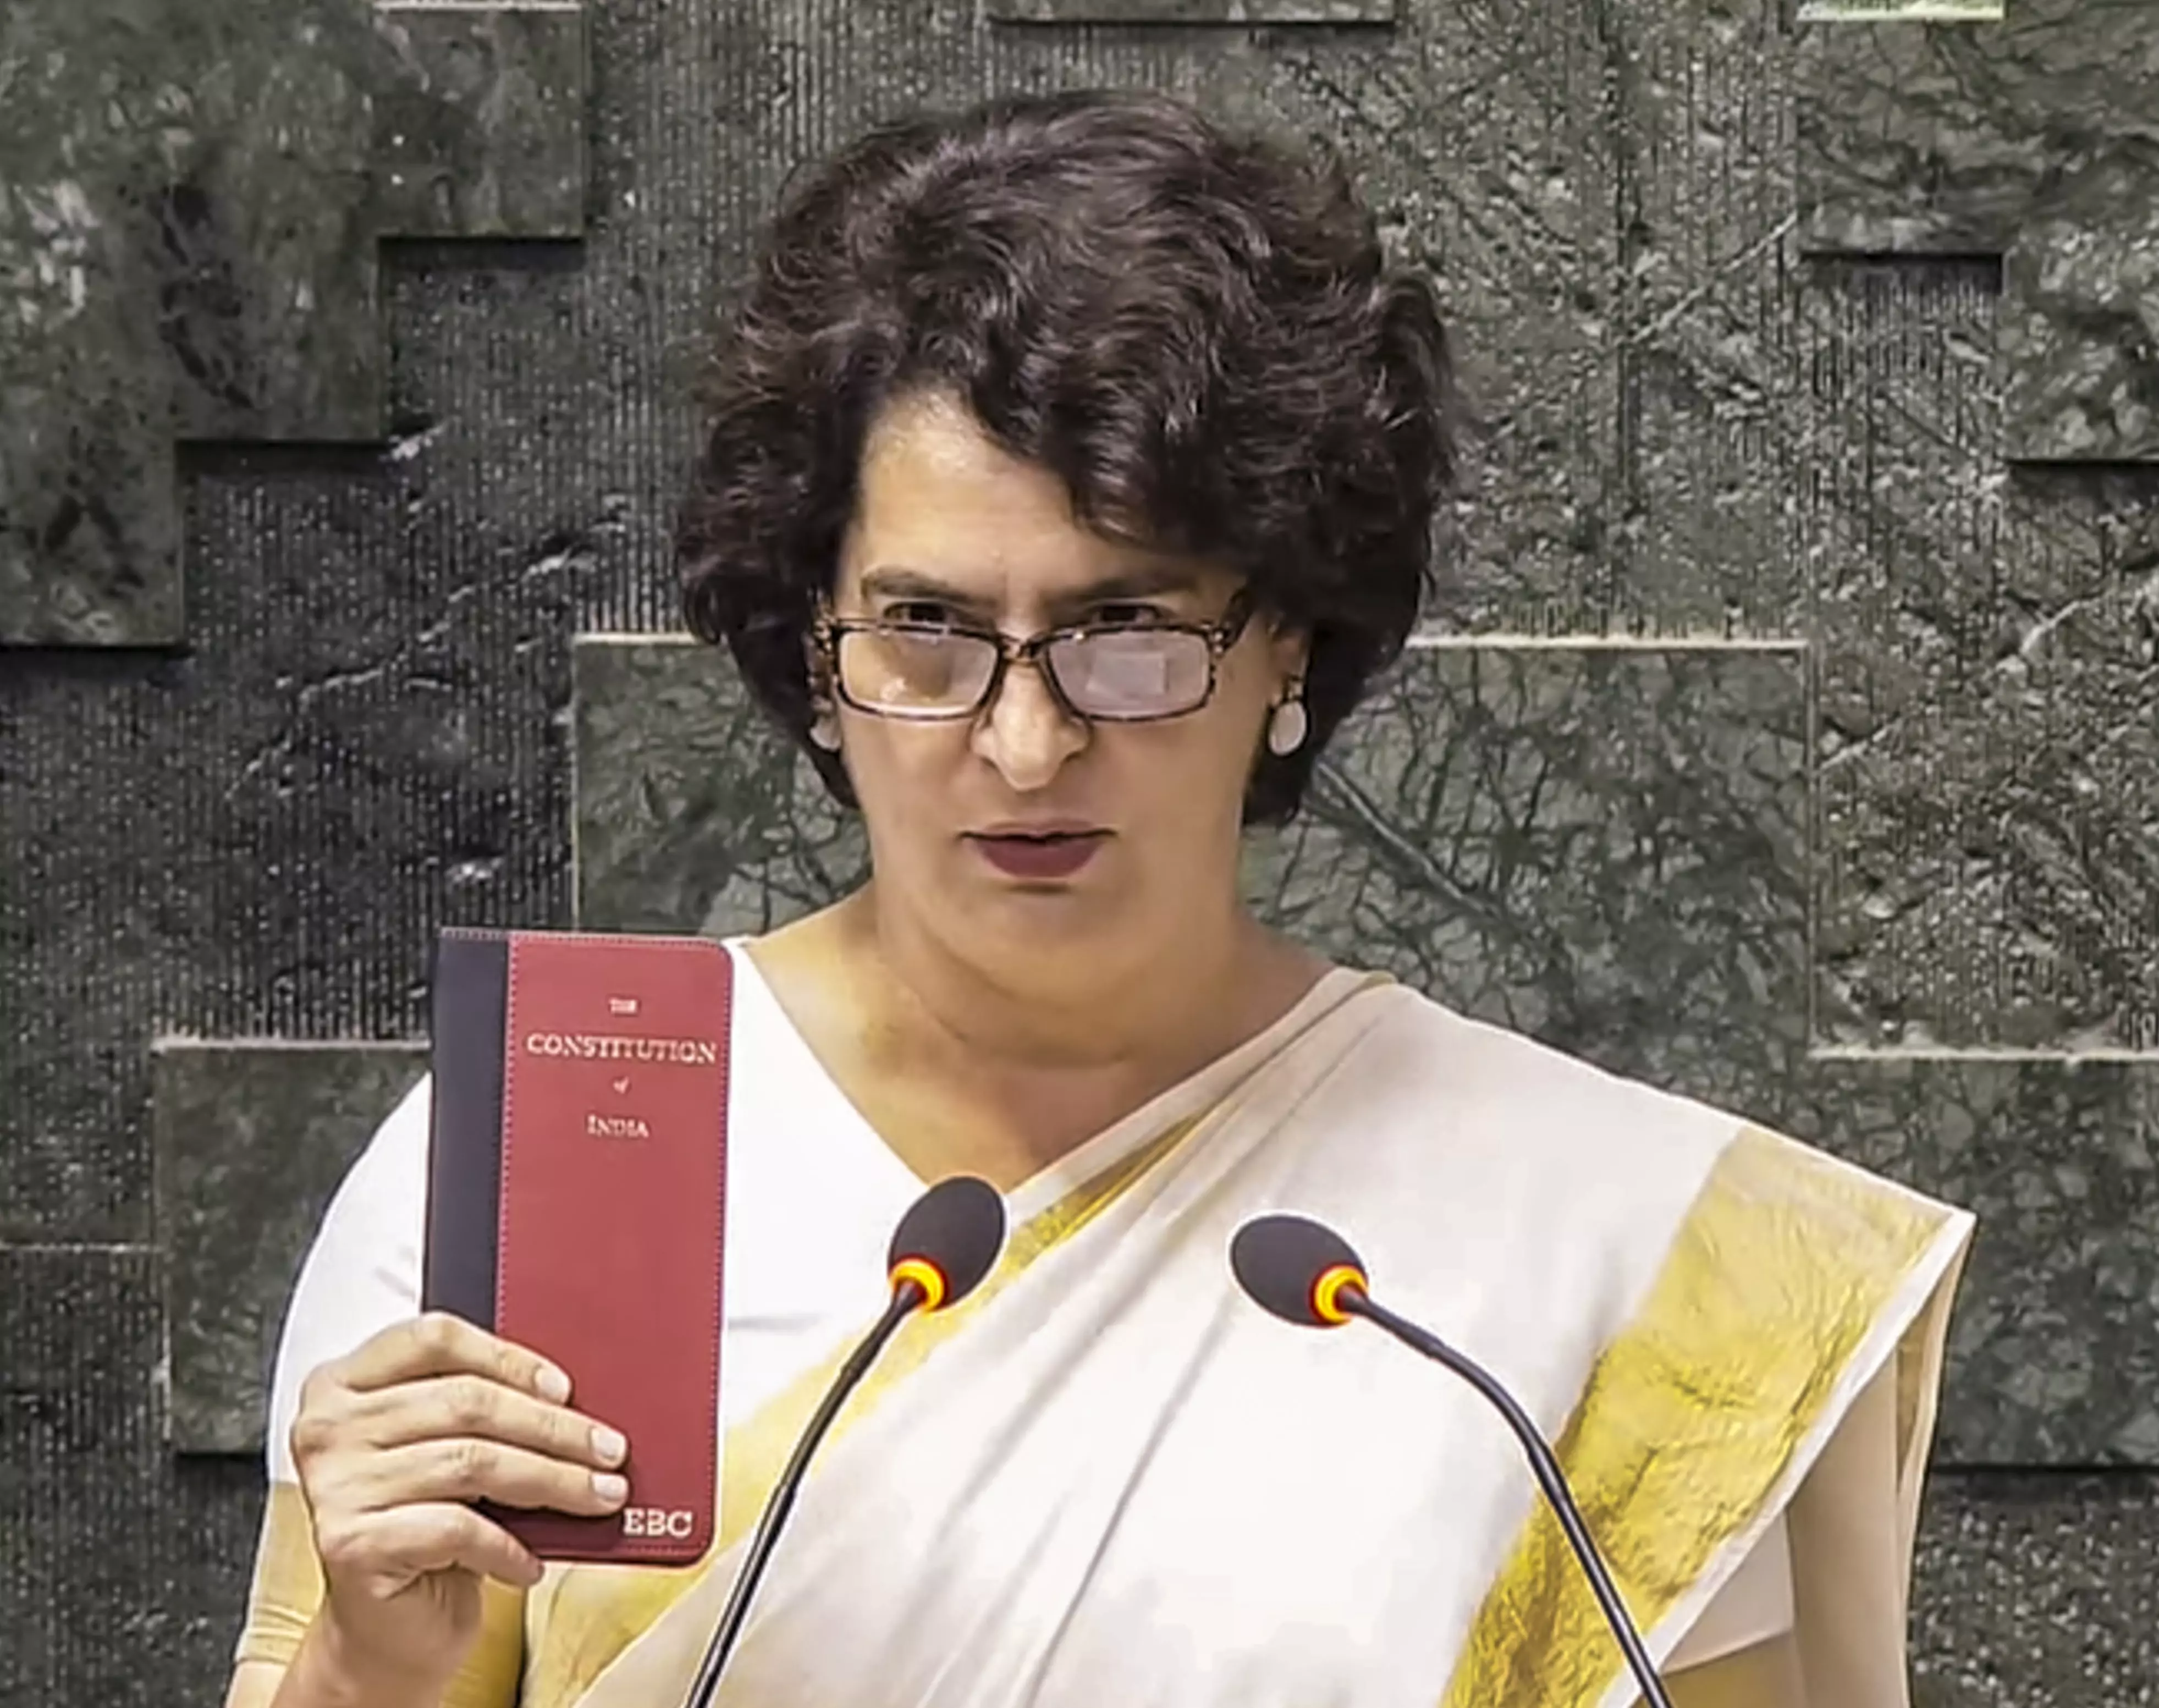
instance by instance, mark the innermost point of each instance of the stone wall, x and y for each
(1790, 734)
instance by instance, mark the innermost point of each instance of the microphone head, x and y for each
(1296, 1269)
(948, 1239)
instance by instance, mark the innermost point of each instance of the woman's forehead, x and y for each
(944, 512)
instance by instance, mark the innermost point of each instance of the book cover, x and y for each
(577, 1199)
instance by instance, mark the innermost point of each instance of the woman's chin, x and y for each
(1086, 919)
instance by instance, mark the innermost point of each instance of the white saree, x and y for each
(1107, 1478)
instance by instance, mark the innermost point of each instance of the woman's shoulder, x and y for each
(1499, 1078)
(1482, 1068)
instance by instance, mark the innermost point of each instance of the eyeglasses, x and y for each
(1129, 673)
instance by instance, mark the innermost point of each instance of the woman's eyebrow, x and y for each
(899, 582)
(896, 581)
(1151, 583)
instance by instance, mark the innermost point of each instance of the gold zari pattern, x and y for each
(1693, 1414)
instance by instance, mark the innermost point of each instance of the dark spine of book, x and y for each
(471, 990)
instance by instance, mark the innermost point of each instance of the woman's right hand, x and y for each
(392, 1443)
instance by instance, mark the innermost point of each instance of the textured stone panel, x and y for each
(691, 812)
(122, 1571)
(2033, 136)
(252, 1137)
(81, 1458)
(1492, 146)
(1986, 878)
(2054, 1348)
(2037, 1591)
(1603, 847)
(481, 132)
(259, 840)
(191, 201)
(211, 1510)
(1708, 443)
(1193, 11)
(1989, 721)
(1603, 195)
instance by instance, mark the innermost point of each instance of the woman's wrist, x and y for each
(331, 1671)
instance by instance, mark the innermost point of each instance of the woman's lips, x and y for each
(1040, 858)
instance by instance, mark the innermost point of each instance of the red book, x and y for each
(577, 1199)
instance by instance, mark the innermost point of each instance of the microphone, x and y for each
(1307, 1274)
(943, 1247)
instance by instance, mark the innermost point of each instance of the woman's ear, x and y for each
(1290, 651)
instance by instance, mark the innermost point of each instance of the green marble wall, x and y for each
(1790, 733)
(193, 202)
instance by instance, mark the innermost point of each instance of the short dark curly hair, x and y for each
(1197, 333)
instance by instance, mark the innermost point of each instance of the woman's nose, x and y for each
(1025, 732)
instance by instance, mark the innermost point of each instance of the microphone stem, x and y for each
(906, 1298)
(1358, 1303)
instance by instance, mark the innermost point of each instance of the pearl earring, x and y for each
(1288, 728)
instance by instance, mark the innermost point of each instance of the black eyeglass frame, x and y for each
(826, 631)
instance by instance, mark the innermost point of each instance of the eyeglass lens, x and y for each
(1112, 673)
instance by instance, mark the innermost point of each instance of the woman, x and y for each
(1070, 471)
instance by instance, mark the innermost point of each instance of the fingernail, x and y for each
(553, 1383)
(608, 1444)
(608, 1486)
